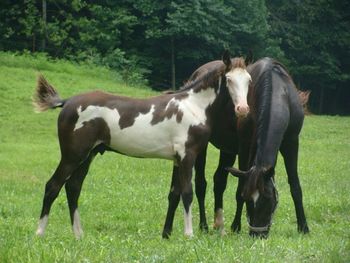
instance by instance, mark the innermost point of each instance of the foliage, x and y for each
(124, 200)
(155, 42)
(315, 39)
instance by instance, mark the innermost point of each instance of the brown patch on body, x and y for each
(160, 113)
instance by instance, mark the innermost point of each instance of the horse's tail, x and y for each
(46, 97)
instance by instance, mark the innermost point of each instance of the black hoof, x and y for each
(204, 227)
(303, 229)
(236, 228)
(166, 234)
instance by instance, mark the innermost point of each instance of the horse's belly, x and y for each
(141, 145)
(163, 140)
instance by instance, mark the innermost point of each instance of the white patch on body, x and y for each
(188, 222)
(42, 225)
(77, 229)
(162, 140)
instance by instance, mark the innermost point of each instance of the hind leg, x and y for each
(185, 176)
(73, 188)
(52, 188)
(173, 199)
(201, 186)
(289, 150)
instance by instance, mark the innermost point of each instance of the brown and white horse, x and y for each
(171, 126)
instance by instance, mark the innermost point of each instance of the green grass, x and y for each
(124, 200)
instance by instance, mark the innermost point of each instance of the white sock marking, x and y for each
(77, 229)
(188, 222)
(42, 225)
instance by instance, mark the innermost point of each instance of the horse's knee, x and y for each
(187, 198)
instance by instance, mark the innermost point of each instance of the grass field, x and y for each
(124, 200)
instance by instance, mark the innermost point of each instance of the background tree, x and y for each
(163, 42)
(315, 38)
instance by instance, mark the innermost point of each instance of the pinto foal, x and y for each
(174, 126)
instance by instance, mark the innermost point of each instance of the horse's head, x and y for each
(261, 197)
(237, 82)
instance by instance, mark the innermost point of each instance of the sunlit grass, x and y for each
(124, 200)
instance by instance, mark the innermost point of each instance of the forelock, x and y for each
(238, 62)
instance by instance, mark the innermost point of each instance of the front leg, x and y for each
(246, 150)
(236, 224)
(201, 186)
(220, 182)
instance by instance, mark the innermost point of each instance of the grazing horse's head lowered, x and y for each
(261, 198)
(174, 126)
(276, 120)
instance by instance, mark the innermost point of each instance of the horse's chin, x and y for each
(242, 115)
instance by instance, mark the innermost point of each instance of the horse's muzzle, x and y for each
(242, 111)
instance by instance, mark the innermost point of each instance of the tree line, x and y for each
(163, 42)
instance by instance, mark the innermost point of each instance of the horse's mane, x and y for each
(237, 62)
(262, 107)
(263, 96)
(204, 80)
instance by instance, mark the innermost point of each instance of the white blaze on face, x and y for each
(255, 196)
(238, 80)
(142, 139)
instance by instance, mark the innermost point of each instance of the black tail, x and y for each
(46, 97)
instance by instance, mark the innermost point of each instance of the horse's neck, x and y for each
(201, 98)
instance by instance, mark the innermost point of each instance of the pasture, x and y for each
(124, 200)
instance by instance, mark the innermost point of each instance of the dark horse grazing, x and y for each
(170, 126)
(274, 123)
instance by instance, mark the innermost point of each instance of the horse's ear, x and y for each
(268, 172)
(226, 58)
(236, 172)
(249, 58)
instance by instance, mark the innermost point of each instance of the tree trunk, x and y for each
(43, 44)
(320, 105)
(173, 86)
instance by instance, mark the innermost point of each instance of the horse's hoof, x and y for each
(166, 234)
(39, 233)
(303, 229)
(189, 235)
(204, 227)
(236, 228)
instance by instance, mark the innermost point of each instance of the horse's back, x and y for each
(285, 100)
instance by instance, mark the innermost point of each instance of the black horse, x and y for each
(274, 123)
